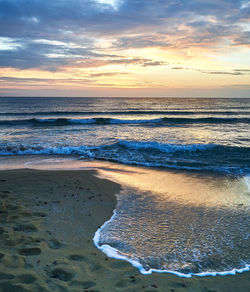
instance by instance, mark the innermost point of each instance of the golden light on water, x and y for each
(190, 189)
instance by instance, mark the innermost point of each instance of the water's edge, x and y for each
(114, 253)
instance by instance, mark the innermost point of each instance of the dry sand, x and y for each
(47, 223)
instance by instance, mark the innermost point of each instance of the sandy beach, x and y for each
(48, 220)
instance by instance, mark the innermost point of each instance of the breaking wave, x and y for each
(108, 121)
(211, 157)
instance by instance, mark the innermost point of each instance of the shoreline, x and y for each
(114, 253)
(58, 213)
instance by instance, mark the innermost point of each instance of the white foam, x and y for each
(115, 254)
(42, 149)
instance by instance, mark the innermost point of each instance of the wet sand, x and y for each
(47, 223)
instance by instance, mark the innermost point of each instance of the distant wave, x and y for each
(209, 157)
(65, 122)
(108, 121)
(127, 112)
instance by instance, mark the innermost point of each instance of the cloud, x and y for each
(41, 81)
(216, 72)
(242, 39)
(70, 17)
(103, 74)
(53, 55)
(137, 61)
(73, 30)
(141, 41)
(233, 72)
(242, 70)
(178, 68)
(49, 55)
(154, 63)
(222, 72)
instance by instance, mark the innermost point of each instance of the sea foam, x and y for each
(115, 254)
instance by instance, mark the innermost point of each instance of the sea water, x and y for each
(201, 228)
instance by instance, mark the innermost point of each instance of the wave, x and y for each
(163, 147)
(65, 122)
(127, 112)
(22, 149)
(207, 120)
(208, 157)
(108, 121)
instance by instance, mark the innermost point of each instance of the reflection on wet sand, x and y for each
(175, 221)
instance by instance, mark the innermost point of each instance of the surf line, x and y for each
(114, 253)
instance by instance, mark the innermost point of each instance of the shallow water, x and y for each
(179, 222)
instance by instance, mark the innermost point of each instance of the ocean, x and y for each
(206, 139)
(191, 134)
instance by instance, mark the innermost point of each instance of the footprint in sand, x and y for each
(1, 230)
(77, 258)
(82, 284)
(7, 286)
(25, 214)
(1, 256)
(4, 276)
(13, 262)
(33, 251)
(124, 284)
(25, 228)
(12, 207)
(118, 265)
(39, 214)
(61, 274)
(55, 244)
(26, 279)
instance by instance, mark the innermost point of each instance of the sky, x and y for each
(198, 48)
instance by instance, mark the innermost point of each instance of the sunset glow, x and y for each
(125, 48)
